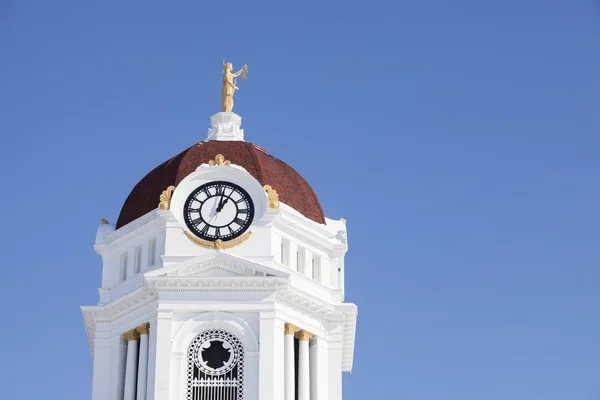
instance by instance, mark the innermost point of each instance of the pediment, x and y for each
(217, 265)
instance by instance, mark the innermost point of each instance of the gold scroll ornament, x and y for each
(219, 160)
(165, 198)
(272, 197)
(217, 244)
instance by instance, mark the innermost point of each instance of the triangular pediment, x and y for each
(217, 265)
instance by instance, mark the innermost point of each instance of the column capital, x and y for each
(131, 335)
(290, 329)
(304, 335)
(143, 329)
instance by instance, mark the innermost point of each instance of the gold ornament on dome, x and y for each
(165, 198)
(218, 244)
(229, 82)
(104, 221)
(272, 196)
(343, 221)
(220, 160)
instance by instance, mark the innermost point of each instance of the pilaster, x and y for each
(102, 358)
(159, 361)
(271, 361)
(318, 369)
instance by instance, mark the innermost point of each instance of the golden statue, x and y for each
(229, 88)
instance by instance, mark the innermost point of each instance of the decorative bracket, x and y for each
(220, 160)
(165, 198)
(272, 196)
(218, 244)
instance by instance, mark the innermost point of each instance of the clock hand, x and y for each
(222, 203)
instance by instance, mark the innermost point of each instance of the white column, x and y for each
(290, 378)
(132, 337)
(271, 357)
(303, 365)
(142, 376)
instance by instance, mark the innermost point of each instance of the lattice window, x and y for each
(215, 367)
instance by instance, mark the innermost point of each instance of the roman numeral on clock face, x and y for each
(196, 221)
(204, 230)
(239, 221)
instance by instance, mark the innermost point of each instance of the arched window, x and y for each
(215, 367)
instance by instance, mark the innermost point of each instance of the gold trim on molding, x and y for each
(143, 329)
(290, 329)
(220, 160)
(272, 196)
(132, 335)
(304, 335)
(217, 244)
(165, 198)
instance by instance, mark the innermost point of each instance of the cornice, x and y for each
(195, 265)
(298, 227)
(296, 299)
(228, 284)
(143, 224)
(343, 313)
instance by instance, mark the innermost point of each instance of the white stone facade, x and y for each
(290, 270)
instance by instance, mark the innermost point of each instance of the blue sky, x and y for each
(458, 138)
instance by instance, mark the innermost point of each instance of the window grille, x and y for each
(215, 367)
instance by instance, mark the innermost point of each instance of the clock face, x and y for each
(218, 210)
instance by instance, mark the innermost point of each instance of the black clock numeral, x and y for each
(196, 221)
(217, 232)
(194, 210)
(204, 230)
(230, 230)
(240, 200)
(243, 211)
(239, 221)
(206, 192)
(220, 190)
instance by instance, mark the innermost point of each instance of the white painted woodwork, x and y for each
(250, 290)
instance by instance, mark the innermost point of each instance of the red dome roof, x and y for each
(292, 188)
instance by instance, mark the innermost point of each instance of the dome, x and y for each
(292, 188)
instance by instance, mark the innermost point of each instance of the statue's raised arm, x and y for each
(229, 88)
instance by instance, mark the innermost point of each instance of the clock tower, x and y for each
(221, 280)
